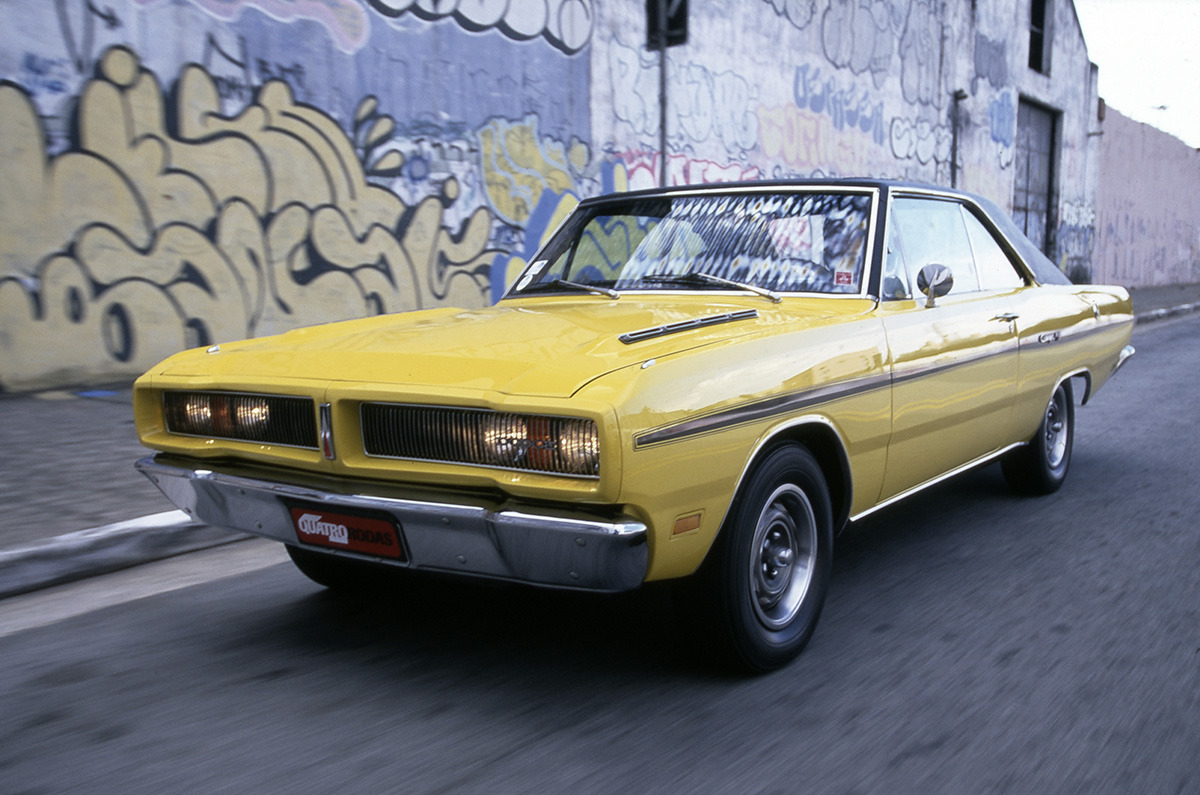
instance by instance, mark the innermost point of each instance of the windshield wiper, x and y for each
(590, 288)
(693, 277)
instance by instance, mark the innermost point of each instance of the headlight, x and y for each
(579, 446)
(252, 413)
(544, 444)
(244, 417)
(504, 439)
(531, 442)
(235, 416)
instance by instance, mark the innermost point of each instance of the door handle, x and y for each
(1006, 317)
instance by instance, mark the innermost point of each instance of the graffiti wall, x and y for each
(790, 89)
(181, 173)
(177, 173)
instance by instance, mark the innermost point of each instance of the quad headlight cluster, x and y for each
(537, 443)
(509, 440)
(268, 419)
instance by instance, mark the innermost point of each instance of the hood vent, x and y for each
(687, 325)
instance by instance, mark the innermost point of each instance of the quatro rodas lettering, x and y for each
(341, 531)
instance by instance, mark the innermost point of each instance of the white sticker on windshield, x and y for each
(530, 272)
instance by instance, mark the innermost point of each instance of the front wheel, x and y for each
(768, 573)
(1040, 467)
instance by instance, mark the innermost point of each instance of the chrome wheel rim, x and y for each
(783, 556)
(1055, 424)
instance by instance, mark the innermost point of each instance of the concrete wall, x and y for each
(181, 172)
(1148, 206)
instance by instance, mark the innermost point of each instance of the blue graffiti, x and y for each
(535, 229)
(1003, 118)
(848, 107)
(45, 75)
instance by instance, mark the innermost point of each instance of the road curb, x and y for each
(1160, 314)
(99, 550)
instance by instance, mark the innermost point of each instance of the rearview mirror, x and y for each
(934, 281)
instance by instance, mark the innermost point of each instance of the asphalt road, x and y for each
(973, 641)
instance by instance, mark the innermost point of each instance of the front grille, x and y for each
(244, 417)
(528, 442)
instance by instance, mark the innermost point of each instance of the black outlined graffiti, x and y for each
(79, 33)
(230, 71)
(346, 21)
(707, 105)
(857, 36)
(799, 12)
(146, 237)
(921, 53)
(566, 24)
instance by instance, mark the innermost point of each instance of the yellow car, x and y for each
(701, 384)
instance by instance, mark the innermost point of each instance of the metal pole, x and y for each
(662, 93)
(958, 97)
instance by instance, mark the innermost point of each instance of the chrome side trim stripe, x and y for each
(911, 373)
(797, 401)
(762, 409)
(945, 476)
(1071, 334)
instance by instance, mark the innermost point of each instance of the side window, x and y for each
(996, 271)
(895, 273)
(932, 232)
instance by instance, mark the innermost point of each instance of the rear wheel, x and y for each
(1040, 467)
(764, 585)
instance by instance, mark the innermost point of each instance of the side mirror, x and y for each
(934, 281)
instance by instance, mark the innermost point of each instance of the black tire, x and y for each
(1040, 467)
(763, 585)
(333, 571)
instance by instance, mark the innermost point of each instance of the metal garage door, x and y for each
(1034, 159)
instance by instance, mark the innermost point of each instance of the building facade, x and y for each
(176, 173)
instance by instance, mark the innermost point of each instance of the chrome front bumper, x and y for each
(536, 546)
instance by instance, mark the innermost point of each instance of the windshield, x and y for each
(780, 242)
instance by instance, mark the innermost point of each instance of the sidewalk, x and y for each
(74, 507)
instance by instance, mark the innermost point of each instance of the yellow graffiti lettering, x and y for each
(519, 167)
(148, 237)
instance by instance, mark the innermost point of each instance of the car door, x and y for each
(954, 363)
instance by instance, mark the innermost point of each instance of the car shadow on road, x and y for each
(429, 623)
(412, 623)
(931, 517)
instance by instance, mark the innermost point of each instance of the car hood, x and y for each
(550, 347)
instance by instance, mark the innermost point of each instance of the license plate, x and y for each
(351, 532)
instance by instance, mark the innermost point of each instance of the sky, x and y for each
(1146, 51)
